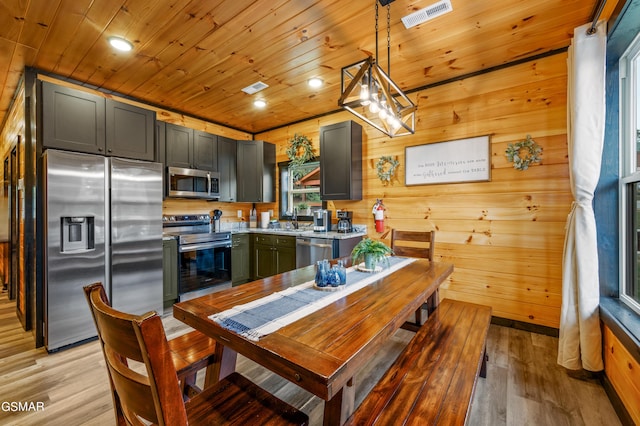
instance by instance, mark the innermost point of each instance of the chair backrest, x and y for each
(141, 370)
(413, 243)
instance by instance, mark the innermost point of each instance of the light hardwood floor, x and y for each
(524, 385)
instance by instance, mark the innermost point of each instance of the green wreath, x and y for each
(385, 174)
(300, 150)
(532, 155)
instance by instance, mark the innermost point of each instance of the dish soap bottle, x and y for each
(253, 219)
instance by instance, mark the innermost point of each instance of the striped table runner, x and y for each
(260, 317)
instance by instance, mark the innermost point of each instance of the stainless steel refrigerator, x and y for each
(103, 220)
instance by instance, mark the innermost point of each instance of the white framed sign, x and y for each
(462, 160)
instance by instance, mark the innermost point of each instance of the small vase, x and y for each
(342, 272)
(321, 273)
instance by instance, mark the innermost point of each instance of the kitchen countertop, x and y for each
(310, 233)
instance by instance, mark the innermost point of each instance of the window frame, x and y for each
(284, 168)
(629, 66)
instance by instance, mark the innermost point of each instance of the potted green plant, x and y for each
(371, 252)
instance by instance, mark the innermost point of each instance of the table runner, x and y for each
(260, 317)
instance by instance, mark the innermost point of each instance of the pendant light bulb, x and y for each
(395, 124)
(383, 110)
(373, 106)
(391, 120)
(364, 95)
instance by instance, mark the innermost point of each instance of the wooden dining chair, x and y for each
(416, 244)
(191, 352)
(144, 380)
(413, 243)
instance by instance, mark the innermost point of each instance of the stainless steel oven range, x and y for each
(204, 257)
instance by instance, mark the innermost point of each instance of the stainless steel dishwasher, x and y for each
(311, 249)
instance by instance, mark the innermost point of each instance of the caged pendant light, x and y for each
(370, 94)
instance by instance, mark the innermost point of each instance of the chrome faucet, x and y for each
(294, 218)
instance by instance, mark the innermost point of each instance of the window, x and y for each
(300, 189)
(630, 175)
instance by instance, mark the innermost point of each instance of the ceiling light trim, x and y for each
(120, 43)
(315, 82)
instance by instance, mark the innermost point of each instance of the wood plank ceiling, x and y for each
(196, 56)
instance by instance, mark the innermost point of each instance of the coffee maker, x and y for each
(322, 220)
(344, 221)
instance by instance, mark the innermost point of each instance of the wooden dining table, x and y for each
(323, 351)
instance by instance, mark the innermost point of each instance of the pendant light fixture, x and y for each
(370, 94)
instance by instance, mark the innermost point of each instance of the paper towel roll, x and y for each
(264, 219)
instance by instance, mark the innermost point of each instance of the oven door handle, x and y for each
(203, 246)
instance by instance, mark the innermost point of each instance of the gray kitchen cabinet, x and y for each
(170, 272)
(256, 172)
(179, 146)
(341, 161)
(273, 254)
(191, 149)
(263, 256)
(130, 131)
(78, 121)
(205, 151)
(72, 119)
(240, 259)
(227, 168)
(285, 254)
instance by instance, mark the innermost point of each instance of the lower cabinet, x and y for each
(170, 272)
(240, 259)
(273, 254)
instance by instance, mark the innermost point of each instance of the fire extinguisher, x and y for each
(378, 215)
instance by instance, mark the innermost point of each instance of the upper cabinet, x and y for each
(179, 146)
(191, 149)
(227, 168)
(130, 131)
(256, 171)
(205, 151)
(341, 161)
(83, 122)
(72, 119)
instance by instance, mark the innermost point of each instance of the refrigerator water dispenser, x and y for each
(77, 234)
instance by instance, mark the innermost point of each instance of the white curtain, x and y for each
(580, 343)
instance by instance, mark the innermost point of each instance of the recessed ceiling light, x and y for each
(120, 44)
(259, 103)
(315, 82)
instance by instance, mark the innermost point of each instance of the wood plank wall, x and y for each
(13, 131)
(506, 236)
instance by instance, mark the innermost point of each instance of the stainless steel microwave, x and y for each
(192, 183)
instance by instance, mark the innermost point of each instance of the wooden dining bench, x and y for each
(433, 379)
